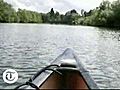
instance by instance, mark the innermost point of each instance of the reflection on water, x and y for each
(28, 47)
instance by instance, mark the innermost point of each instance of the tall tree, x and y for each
(7, 13)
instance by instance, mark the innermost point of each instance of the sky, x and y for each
(61, 6)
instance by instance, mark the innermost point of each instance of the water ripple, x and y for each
(27, 48)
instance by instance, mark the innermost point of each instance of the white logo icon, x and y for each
(10, 76)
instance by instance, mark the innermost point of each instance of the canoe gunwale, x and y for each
(91, 83)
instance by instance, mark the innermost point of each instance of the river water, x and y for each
(29, 47)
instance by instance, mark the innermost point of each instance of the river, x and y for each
(29, 47)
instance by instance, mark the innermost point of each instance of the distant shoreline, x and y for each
(107, 14)
(117, 28)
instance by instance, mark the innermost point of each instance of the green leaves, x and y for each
(7, 13)
(26, 16)
(106, 14)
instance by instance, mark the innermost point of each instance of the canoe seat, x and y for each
(68, 65)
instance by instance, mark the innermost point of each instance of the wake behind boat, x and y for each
(65, 72)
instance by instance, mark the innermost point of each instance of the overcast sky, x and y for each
(61, 6)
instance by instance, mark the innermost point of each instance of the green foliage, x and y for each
(53, 17)
(7, 13)
(106, 14)
(26, 16)
(72, 17)
(116, 13)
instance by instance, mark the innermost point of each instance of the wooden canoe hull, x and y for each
(69, 80)
(74, 75)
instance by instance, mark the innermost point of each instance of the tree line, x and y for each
(106, 14)
(9, 15)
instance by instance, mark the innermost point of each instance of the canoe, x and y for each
(65, 72)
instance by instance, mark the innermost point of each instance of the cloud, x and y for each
(59, 5)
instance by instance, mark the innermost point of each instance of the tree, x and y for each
(27, 16)
(82, 12)
(105, 5)
(73, 11)
(71, 17)
(52, 12)
(7, 13)
(116, 13)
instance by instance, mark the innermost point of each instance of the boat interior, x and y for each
(70, 78)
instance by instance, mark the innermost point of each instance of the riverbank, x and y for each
(107, 14)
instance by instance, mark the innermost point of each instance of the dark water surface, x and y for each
(28, 47)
